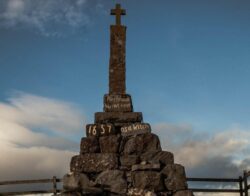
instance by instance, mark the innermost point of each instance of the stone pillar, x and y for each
(117, 68)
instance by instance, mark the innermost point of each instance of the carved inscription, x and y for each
(136, 128)
(98, 130)
(117, 103)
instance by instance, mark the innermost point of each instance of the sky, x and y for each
(187, 70)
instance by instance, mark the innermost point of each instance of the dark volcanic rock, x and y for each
(94, 162)
(89, 145)
(175, 177)
(184, 193)
(129, 160)
(98, 130)
(113, 179)
(110, 144)
(118, 117)
(149, 180)
(152, 166)
(135, 129)
(163, 157)
(140, 144)
(117, 103)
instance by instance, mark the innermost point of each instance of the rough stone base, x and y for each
(94, 162)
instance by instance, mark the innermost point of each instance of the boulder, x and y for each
(184, 193)
(175, 177)
(89, 145)
(141, 167)
(129, 160)
(140, 144)
(147, 180)
(140, 192)
(94, 162)
(114, 179)
(110, 144)
(163, 157)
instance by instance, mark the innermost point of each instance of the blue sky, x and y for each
(188, 63)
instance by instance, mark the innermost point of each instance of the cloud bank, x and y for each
(223, 154)
(34, 134)
(50, 18)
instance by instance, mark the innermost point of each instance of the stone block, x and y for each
(129, 160)
(135, 129)
(117, 103)
(114, 179)
(94, 162)
(163, 157)
(118, 117)
(89, 145)
(141, 167)
(147, 180)
(140, 144)
(98, 130)
(175, 177)
(110, 144)
(184, 193)
(140, 192)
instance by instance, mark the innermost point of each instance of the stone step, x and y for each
(118, 117)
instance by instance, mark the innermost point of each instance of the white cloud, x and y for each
(51, 18)
(34, 134)
(222, 154)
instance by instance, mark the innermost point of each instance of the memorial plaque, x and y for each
(118, 103)
(98, 130)
(135, 129)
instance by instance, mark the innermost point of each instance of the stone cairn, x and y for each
(120, 155)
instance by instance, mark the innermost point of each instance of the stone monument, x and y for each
(120, 155)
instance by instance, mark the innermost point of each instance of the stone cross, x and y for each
(118, 12)
(117, 67)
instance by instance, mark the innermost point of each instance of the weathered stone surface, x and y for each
(110, 144)
(141, 143)
(98, 130)
(140, 167)
(70, 193)
(93, 162)
(117, 69)
(184, 193)
(117, 103)
(113, 179)
(89, 145)
(163, 157)
(140, 192)
(76, 181)
(175, 177)
(118, 117)
(135, 129)
(149, 180)
(129, 160)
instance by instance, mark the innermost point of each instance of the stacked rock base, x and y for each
(120, 156)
